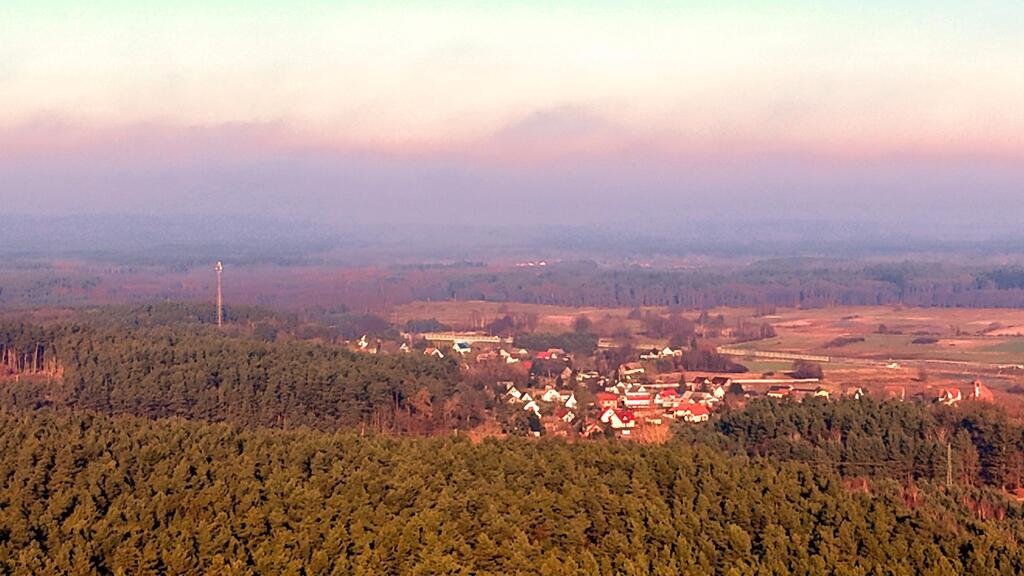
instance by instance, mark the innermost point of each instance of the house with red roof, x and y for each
(620, 420)
(667, 398)
(638, 400)
(566, 416)
(606, 400)
(689, 412)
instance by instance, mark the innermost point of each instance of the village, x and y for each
(559, 393)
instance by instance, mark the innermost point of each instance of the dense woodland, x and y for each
(87, 494)
(195, 372)
(866, 437)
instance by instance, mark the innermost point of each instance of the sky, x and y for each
(507, 112)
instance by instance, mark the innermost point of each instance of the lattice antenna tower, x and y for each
(219, 268)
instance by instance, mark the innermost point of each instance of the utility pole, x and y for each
(949, 465)
(220, 296)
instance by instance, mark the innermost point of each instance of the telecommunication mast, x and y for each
(220, 297)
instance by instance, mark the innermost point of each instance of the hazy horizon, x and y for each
(447, 114)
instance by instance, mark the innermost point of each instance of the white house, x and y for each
(571, 402)
(551, 395)
(508, 357)
(618, 419)
(513, 395)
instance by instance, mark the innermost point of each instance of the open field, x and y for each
(962, 335)
(985, 336)
(969, 343)
(475, 314)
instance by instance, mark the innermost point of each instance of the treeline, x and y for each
(196, 372)
(870, 437)
(315, 323)
(808, 284)
(172, 313)
(89, 494)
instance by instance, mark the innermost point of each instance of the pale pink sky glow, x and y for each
(121, 106)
